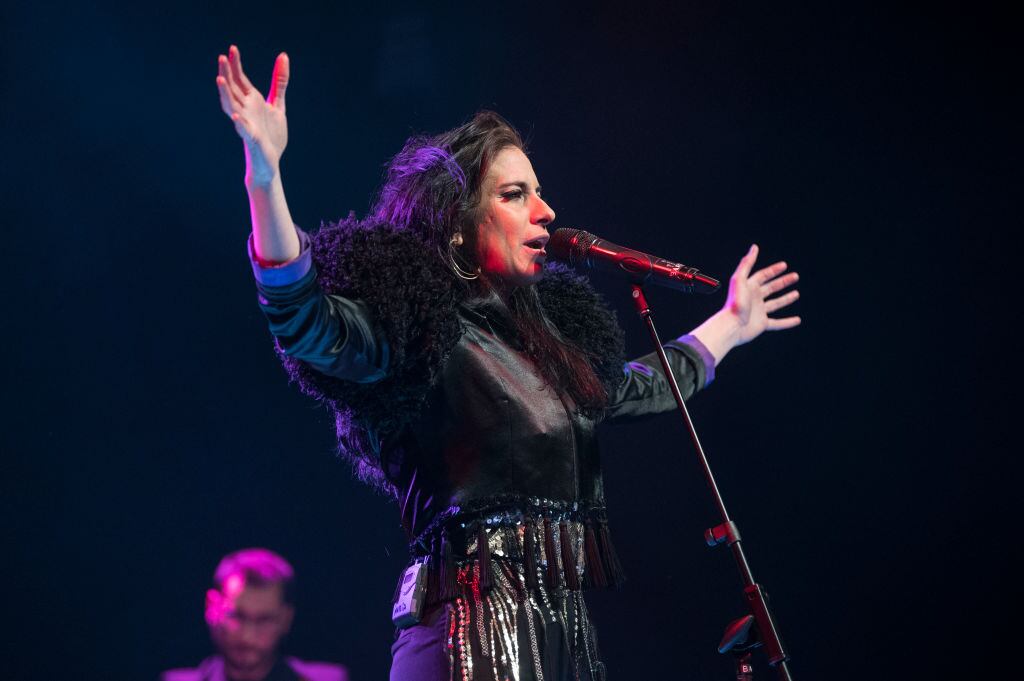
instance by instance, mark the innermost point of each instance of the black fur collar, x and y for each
(414, 298)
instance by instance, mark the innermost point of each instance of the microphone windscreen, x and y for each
(569, 245)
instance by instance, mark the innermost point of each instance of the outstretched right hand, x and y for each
(260, 122)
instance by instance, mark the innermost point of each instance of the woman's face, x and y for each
(512, 223)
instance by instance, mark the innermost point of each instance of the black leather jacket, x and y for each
(486, 461)
(492, 429)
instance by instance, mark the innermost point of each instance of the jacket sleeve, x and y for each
(332, 334)
(645, 391)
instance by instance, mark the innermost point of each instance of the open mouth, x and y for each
(537, 244)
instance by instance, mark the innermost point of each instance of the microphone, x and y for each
(576, 247)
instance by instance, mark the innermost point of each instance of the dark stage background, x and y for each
(148, 428)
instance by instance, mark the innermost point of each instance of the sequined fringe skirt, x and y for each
(508, 632)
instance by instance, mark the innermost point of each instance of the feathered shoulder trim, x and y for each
(583, 317)
(413, 298)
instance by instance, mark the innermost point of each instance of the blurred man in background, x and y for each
(249, 611)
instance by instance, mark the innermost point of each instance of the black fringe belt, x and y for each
(560, 544)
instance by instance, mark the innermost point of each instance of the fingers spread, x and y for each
(279, 81)
(226, 103)
(230, 83)
(746, 263)
(223, 70)
(776, 285)
(236, 95)
(768, 273)
(780, 302)
(231, 99)
(235, 60)
(784, 323)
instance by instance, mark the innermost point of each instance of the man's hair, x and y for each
(257, 567)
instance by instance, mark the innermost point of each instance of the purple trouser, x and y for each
(420, 653)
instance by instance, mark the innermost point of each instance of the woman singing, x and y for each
(467, 380)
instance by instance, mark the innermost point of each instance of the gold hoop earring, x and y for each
(459, 270)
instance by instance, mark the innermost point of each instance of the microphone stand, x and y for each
(739, 639)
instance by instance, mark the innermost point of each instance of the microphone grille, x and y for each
(570, 245)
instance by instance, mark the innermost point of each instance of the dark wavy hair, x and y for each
(433, 187)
